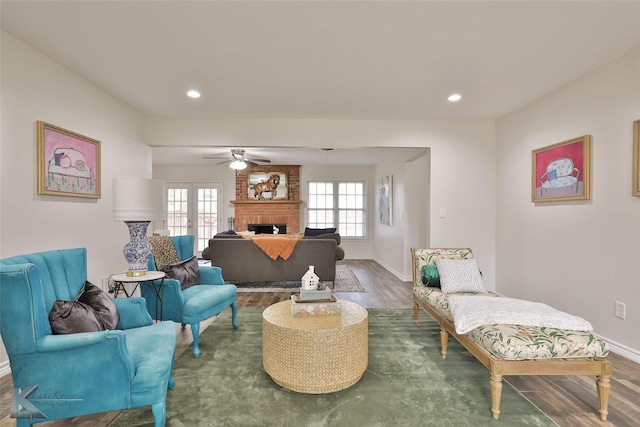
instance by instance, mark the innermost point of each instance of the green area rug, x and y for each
(407, 383)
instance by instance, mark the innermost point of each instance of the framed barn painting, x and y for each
(561, 171)
(636, 158)
(385, 200)
(68, 163)
(268, 186)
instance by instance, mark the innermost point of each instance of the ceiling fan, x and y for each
(238, 159)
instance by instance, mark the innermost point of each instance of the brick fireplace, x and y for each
(280, 211)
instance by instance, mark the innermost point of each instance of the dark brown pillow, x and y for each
(187, 272)
(71, 317)
(103, 306)
(92, 310)
(316, 231)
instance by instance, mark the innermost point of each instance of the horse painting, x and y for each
(270, 186)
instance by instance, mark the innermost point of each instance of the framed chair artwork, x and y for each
(561, 172)
(68, 163)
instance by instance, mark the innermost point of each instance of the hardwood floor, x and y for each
(569, 400)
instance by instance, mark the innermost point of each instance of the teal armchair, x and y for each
(197, 303)
(63, 376)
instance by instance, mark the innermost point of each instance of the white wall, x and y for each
(36, 88)
(462, 173)
(210, 174)
(416, 213)
(582, 256)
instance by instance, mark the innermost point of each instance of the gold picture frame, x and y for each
(561, 171)
(68, 163)
(636, 159)
(267, 186)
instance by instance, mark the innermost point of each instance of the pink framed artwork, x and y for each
(68, 163)
(561, 171)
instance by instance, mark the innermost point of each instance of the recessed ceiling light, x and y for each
(454, 97)
(193, 94)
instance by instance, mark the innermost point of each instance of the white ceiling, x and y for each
(327, 59)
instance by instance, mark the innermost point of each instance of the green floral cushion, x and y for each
(515, 342)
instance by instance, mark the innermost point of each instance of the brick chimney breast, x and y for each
(249, 210)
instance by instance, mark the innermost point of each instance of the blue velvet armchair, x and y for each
(63, 376)
(197, 303)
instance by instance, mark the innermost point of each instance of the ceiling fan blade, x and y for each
(254, 159)
(223, 162)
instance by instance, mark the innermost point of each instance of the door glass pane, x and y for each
(207, 216)
(177, 211)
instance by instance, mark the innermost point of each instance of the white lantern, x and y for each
(310, 280)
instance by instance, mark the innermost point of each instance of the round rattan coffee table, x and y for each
(315, 354)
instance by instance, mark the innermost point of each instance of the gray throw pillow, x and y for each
(103, 306)
(316, 231)
(187, 272)
(91, 311)
(71, 317)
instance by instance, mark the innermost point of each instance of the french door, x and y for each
(194, 208)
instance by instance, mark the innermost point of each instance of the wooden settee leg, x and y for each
(416, 311)
(496, 388)
(444, 341)
(604, 387)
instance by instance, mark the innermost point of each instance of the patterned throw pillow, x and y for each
(459, 275)
(164, 252)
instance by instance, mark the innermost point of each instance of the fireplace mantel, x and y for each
(244, 202)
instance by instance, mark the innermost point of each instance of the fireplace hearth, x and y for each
(268, 228)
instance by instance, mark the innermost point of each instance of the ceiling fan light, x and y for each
(237, 165)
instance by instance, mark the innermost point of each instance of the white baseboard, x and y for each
(621, 349)
(399, 275)
(5, 369)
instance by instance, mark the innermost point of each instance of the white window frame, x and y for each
(192, 208)
(336, 209)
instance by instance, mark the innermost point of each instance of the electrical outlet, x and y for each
(620, 310)
(105, 283)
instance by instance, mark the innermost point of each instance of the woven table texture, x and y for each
(315, 354)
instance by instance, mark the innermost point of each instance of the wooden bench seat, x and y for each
(513, 349)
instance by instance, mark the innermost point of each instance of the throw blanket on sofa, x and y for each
(275, 245)
(469, 312)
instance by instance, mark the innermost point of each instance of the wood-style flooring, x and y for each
(569, 400)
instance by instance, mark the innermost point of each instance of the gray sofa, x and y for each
(242, 260)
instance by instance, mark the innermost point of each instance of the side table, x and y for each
(119, 280)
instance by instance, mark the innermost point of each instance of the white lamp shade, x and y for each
(138, 199)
